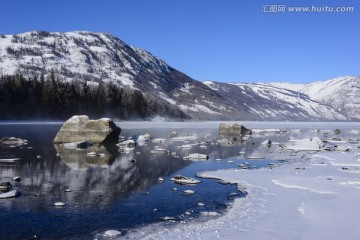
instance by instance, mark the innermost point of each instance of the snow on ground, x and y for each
(298, 200)
(315, 197)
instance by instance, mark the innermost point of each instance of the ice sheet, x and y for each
(311, 198)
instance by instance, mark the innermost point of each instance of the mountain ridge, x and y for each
(101, 57)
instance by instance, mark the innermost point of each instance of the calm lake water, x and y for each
(111, 192)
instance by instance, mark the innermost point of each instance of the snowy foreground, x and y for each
(309, 199)
(314, 197)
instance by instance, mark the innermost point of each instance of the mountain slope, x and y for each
(342, 94)
(273, 103)
(100, 57)
(95, 57)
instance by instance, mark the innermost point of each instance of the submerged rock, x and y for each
(80, 128)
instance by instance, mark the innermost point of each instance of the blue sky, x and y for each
(220, 40)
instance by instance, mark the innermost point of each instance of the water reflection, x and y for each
(80, 158)
(108, 189)
(95, 181)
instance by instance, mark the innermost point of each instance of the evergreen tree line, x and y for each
(39, 98)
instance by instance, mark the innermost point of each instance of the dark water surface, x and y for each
(108, 192)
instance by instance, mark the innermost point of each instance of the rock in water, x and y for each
(11, 194)
(80, 128)
(226, 129)
(5, 186)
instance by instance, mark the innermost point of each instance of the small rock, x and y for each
(5, 186)
(11, 194)
(188, 192)
(16, 179)
(59, 204)
(167, 218)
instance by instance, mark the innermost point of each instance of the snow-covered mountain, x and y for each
(95, 57)
(342, 94)
(274, 103)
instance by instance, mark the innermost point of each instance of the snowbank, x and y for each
(313, 198)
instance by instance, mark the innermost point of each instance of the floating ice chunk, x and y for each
(158, 140)
(188, 192)
(111, 233)
(196, 156)
(59, 204)
(310, 144)
(159, 151)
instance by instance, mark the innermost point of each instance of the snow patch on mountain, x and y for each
(341, 93)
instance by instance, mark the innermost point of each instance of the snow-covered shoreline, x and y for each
(311, 198)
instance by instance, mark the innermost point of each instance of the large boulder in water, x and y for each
(228, 129)
(80, 128)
